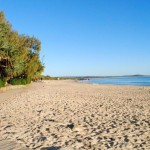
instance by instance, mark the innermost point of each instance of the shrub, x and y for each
(2, 82)
(19, 81)
(28, 80)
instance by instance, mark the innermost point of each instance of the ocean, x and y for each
(130, 80)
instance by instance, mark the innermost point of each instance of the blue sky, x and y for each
(86, 37)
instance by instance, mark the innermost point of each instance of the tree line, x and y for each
(19, 54)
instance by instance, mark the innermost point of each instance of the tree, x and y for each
(21, 53)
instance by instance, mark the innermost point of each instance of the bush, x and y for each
(28, 80)
(19, 81)
(2, 82)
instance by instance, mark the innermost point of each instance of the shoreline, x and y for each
(113, 84)
(121, 85)
(79, 116)
(16, 87)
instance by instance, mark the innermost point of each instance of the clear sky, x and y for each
(86, 37)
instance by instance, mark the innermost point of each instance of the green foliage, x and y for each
(2, 82)
(19, 53)
(56, 78)
(20, 81)
(48, 77)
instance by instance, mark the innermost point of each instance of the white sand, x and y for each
(79, 116)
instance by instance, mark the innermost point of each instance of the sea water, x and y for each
(131, 80)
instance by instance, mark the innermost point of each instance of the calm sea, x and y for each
(137, 81)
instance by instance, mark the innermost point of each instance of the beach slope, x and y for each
(59, 114)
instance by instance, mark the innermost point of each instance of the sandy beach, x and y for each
(60, 114)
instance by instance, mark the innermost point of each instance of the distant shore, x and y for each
(87, 77)
(69, 114)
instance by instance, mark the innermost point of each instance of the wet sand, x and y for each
(63, 114)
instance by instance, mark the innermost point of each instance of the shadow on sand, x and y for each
(51, 148)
